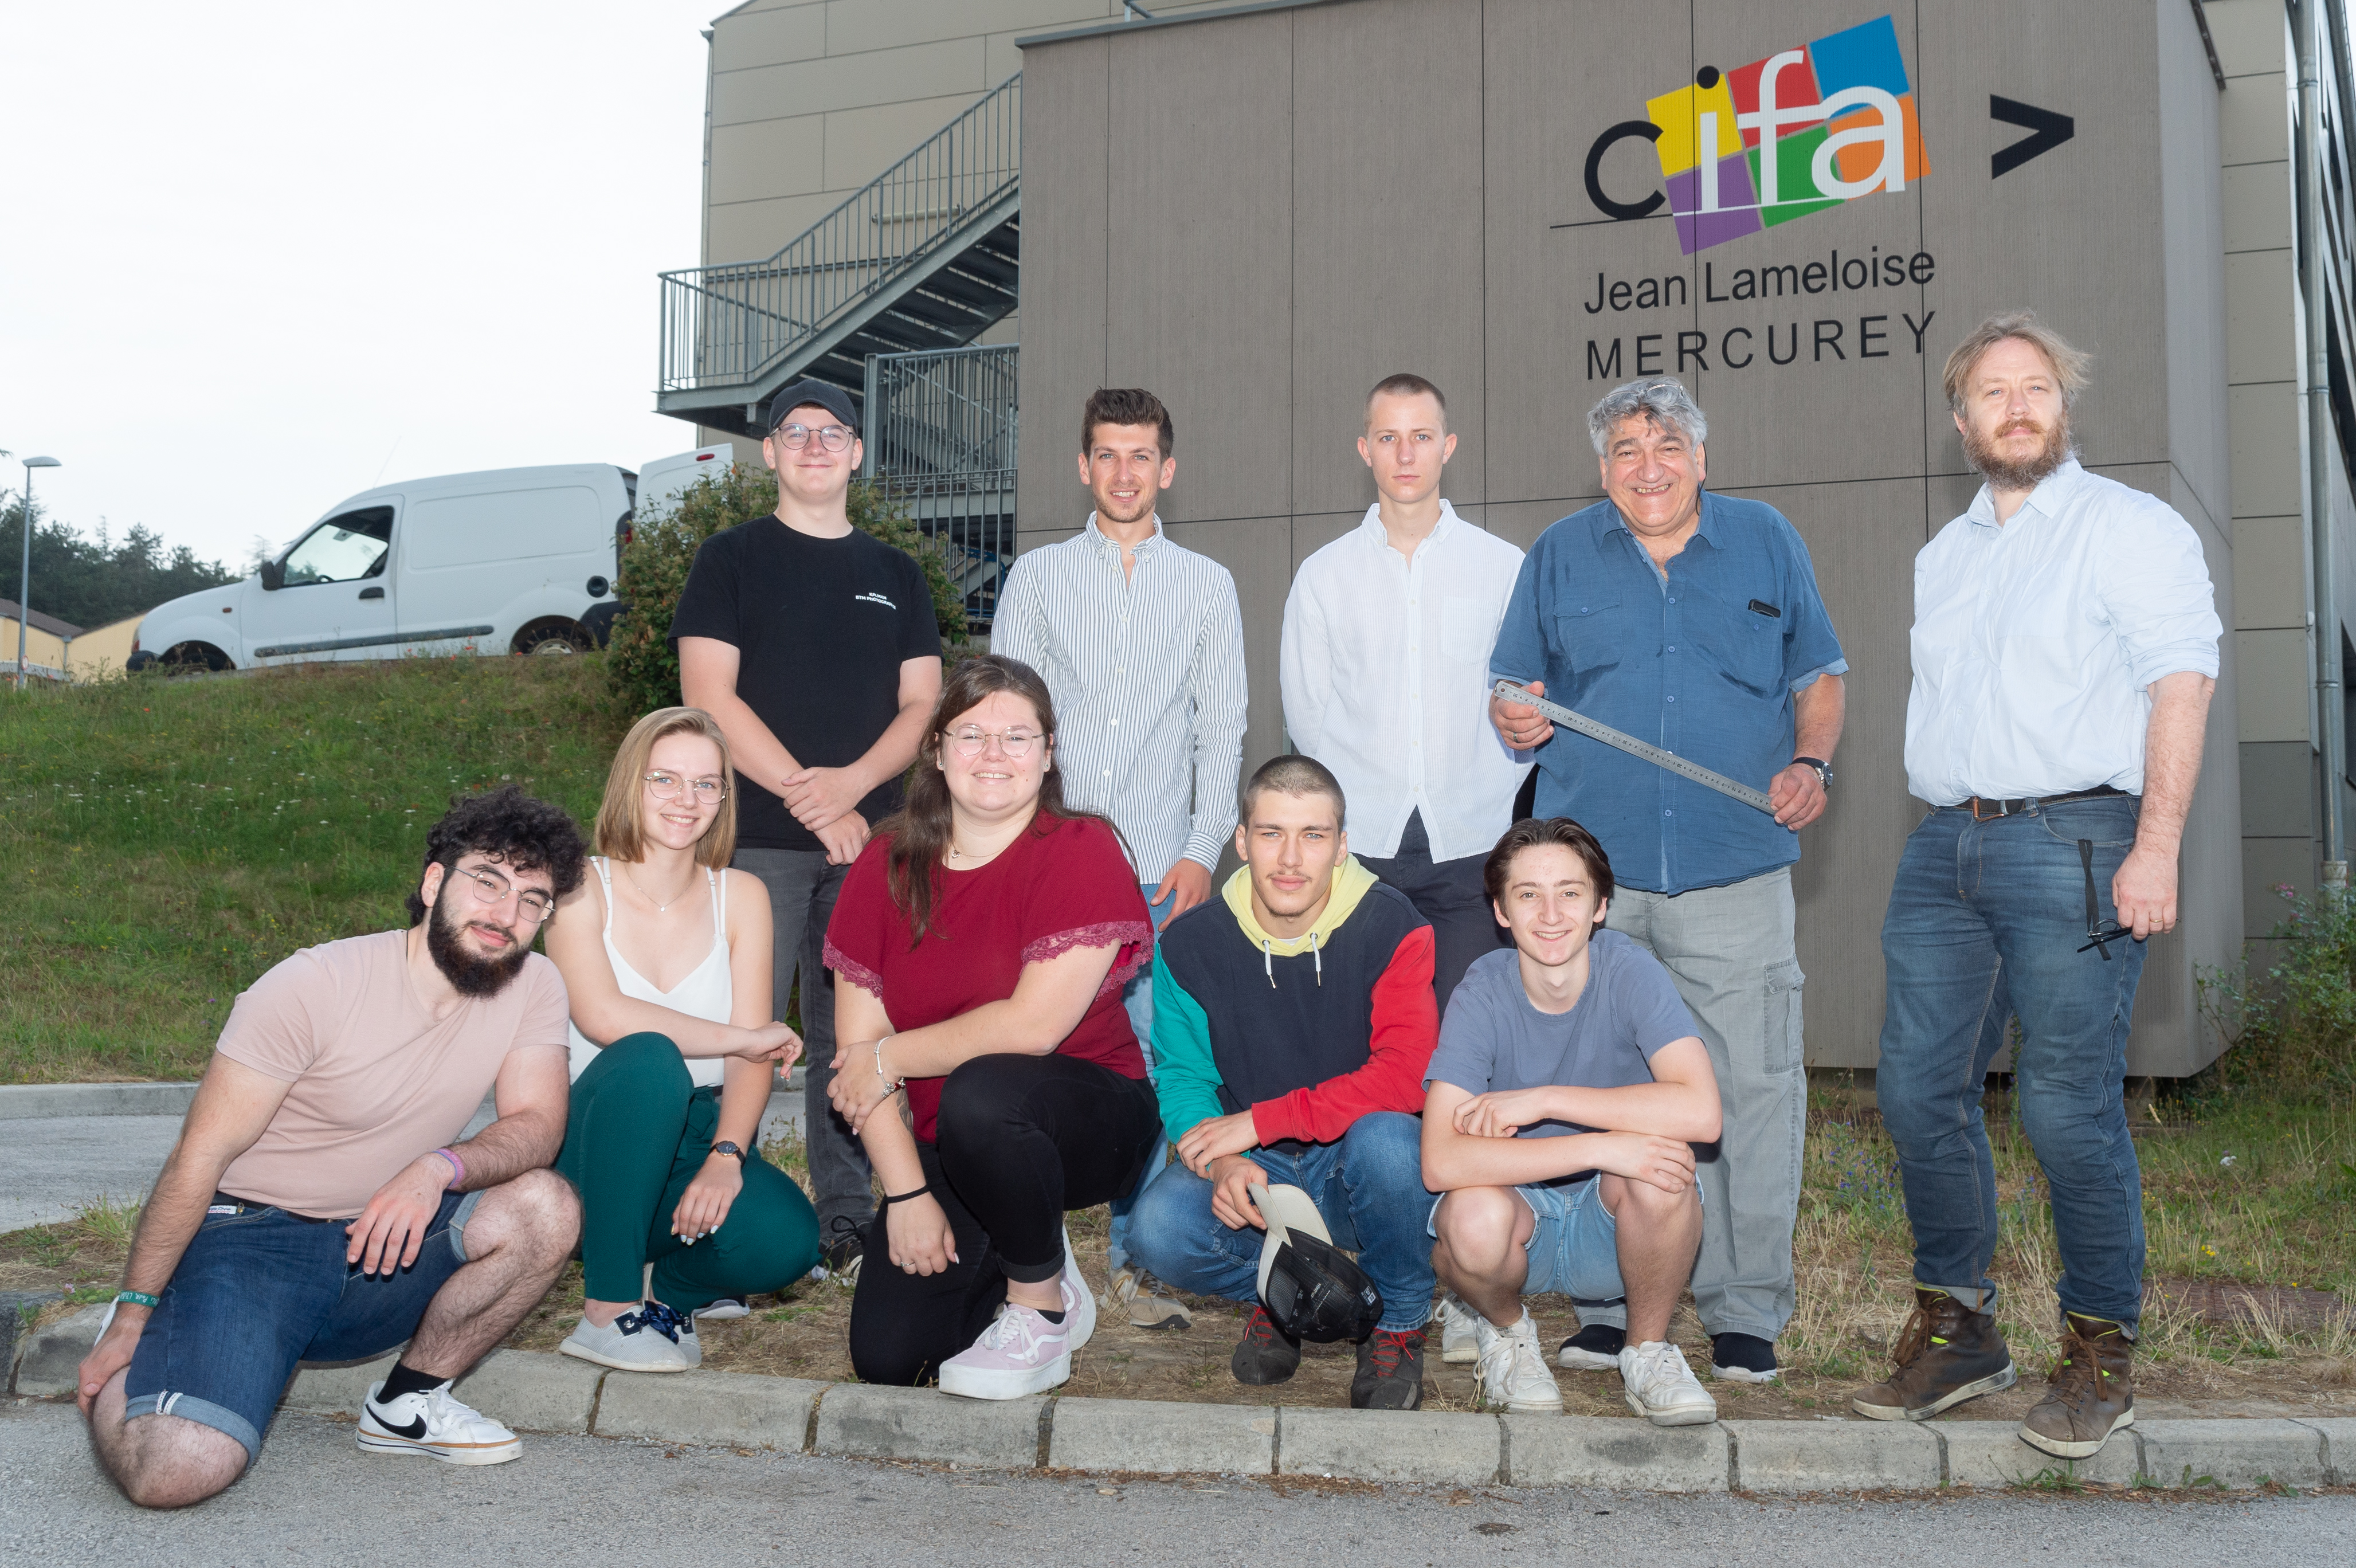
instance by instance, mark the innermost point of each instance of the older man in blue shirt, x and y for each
(2065, 649)
(1693, 622)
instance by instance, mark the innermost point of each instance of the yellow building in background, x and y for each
(56, 649)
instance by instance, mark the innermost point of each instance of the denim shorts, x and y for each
(1574, 1249)
(258, 1291)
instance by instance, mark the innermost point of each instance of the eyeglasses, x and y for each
(666, 786)
(833, 437)
(970, 740)
(490, 888)
(2100, 933)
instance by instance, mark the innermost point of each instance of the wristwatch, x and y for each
(1824, 769)
(726, 1147)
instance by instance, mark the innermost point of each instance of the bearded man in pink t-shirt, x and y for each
(320, 1205)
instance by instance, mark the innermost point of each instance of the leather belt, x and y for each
(1986, 811)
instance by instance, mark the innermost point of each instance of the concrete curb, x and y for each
(540, 1393)
(21, 1102)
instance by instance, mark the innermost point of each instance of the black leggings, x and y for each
(1021, 1141)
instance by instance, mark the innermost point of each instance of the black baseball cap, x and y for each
(814, 394)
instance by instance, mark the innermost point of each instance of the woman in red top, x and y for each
(979, 947)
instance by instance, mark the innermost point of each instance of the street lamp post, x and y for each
(24, 568)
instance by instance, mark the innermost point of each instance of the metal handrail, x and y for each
(723, 326)
(941, 436)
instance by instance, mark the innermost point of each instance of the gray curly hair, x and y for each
(1655, 398)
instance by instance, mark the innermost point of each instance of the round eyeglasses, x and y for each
(833, 437)
(970, 739)
(666, 786)
(490, 888)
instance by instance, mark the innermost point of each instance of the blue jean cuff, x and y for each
(203, 1412)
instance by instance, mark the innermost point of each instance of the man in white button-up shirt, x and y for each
(1385, 674)
(2065, 649)
(1141, 644)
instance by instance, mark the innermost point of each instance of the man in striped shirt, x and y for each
(1142, 645)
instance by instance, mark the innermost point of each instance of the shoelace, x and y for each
(1013, 1332)
(2077, 1367)
(1259, 1328)
(657, 1315)
(1389, 1349)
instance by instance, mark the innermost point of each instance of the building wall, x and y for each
(102, 650)
(44, 650)
(810, 100)
(1224, 212)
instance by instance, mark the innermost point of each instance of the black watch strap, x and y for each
(1824, 769)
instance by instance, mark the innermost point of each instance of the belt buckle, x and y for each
(2002, 810)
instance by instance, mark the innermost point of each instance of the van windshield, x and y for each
(342, 548)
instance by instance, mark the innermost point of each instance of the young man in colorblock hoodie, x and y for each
(1293, 1021)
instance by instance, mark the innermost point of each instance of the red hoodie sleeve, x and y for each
(1407, 1028)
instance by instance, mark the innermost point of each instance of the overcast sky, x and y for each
(256, 257)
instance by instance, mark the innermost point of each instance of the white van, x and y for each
(512, 560)
(664, 480)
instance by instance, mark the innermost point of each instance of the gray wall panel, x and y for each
(1200, 309)
(1404, 295)
(2192, 217)
(1066, 133)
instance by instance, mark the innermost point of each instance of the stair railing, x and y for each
(723, 326)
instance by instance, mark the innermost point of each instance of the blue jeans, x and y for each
(1369, 1190)
(1137, 996)
(1985, 924)
(259, 1290)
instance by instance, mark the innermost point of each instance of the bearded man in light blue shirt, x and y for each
(2065, 649)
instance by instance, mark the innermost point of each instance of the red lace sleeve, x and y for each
(863, 916)
(1086, 895)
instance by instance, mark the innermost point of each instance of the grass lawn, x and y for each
(172, 839)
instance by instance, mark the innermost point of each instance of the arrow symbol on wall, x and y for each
(2048, 131)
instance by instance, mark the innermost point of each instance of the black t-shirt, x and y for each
(822, 626)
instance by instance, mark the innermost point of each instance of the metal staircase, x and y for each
(926, 257)
(940, 430)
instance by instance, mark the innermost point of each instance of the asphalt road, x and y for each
(315, 1498)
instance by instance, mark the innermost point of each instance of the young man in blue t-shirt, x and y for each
(1565, 1098)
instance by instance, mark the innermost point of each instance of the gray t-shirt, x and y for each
(1493, 1039)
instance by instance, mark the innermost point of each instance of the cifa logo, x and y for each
(1745, 150)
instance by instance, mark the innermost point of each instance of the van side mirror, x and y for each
(274, 574)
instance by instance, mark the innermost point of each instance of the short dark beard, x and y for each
(467, 974)
(2005, 475)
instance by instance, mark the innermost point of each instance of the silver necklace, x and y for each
(660, 908)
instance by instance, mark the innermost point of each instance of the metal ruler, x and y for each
(1634, 747)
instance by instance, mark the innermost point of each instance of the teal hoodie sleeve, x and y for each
(1186, 1078)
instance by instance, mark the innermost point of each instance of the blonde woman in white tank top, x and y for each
(666, 958)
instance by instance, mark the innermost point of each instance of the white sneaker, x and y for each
(1459, 1333)
(1079, 1302)
(645, 1340)
(1660, 1387)
(1514, 1373)
(435, 1424)
(1021, 1353)
(723, 1308)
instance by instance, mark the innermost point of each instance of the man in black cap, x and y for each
(815, 647)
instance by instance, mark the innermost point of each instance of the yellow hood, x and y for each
(1351, 880)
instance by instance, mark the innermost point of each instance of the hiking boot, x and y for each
(1265, 1354)
(1947, 1354)
(1459, 1331)
(2092, 1393)
(1131, 1296)
(1390, 1371)
(1594, 1349)
(1660, 1387)
(1514, 1373)
(1742, 1359)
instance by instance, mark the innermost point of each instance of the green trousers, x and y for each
(639, 1131)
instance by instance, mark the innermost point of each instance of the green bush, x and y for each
(2295, 1027)
(641, 666)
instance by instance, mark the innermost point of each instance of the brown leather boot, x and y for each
(1947, 1354)
(2092, 1391)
